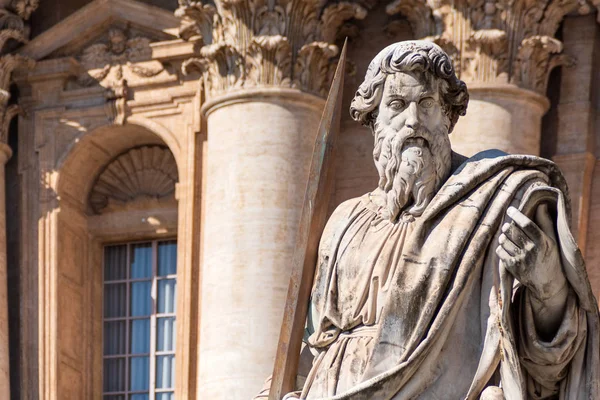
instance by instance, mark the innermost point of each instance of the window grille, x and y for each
(139, 320)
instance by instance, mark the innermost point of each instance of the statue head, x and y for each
(411, 99)
(117, 40)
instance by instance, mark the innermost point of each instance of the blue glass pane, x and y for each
(138, 396)
(165, 396)
(140, 336)
(115, 300)
(115, 397)
(167, 258)
(166, 296)
(114, 375)
(165, 335)
(114, 338)
(115, 262)
(141, 300)
(139, 373)
(141, 260)
(165, 372)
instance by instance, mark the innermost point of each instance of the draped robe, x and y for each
(422, 308)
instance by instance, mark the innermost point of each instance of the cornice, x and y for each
(93, 18)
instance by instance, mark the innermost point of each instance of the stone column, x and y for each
(13, 31)
(504, 51)
(266, 68)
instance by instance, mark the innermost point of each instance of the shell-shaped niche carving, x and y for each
(147, 173)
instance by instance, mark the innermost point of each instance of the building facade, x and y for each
(154, 157)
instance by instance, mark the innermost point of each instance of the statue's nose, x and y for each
(412, 116)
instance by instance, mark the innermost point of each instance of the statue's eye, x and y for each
(427, 102)
(397, 104)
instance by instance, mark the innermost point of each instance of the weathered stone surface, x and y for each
(108, 80)
(415, 293)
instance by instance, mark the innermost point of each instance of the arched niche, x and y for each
(72, 237)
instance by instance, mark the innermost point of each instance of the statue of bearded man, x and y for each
(455, 278)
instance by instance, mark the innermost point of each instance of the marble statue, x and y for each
(455, 278)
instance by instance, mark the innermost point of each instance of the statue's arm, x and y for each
(547, 361)
(550, 325)
(548, 306)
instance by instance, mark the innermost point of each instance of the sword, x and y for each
(312, 222)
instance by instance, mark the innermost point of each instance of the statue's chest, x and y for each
(367, 257)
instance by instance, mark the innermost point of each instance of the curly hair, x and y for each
(410, 56)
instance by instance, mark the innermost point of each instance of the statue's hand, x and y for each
(530, 255)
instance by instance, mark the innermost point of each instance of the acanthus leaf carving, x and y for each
(8, 113)
(196, 20)
(24, 8)
(419, 14)
(335, 15)
(269, 60)
(492, 37)
(536, 58)
(489, 58)
(314, 68)
(260, 43)
(8, 63)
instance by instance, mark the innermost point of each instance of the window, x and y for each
(139, 320)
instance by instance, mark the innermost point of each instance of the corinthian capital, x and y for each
(265, 43)
(495, 41)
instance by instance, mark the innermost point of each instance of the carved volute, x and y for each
(262, 43)
(495, 41)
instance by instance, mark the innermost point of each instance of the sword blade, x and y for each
(312, 221)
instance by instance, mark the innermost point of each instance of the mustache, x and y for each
(390, 154)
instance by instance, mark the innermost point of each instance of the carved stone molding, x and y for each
(495, 41)
(116, 102)
(252, 43)
(147, 173)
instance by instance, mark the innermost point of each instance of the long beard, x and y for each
(411, 169)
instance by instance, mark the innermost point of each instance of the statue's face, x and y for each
(118, 42)
(411, 105)
(412, 148)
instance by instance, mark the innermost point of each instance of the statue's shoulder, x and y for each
(340, 216)
(495, 159)
(343, 212)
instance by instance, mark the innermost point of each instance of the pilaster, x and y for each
(13, 31)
